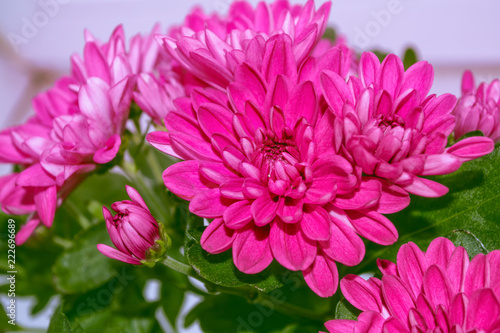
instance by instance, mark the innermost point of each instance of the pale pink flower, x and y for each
(392, 128)
(133, 230)
(77, 125)
(478, 109)
(261, 160)
(435, 291)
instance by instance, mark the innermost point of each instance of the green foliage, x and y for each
(469, 214)
(345, 310)
(82, 267)
(59, 323)
(409, 58)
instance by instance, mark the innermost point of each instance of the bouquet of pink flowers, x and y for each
(267, 163)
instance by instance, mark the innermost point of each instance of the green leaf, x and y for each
(330, 34)
(220, 269)
(409, 58)
(471, 206)
(345, 310)
(468, 240)
(109, 322)
(227, 313)
(83, 267)
(59, 322)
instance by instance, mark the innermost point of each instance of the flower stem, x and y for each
(251, 294)
(179, 266)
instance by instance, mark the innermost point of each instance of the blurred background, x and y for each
(38, 37)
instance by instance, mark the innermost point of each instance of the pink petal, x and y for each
(335, 90)
(316, 224)
(478, 274)
(387, 267)
(391, 74)
(468, 85)
(483, 310)
(457, 268)
(279, 58)
(184, 180)
(368, 68)
(411, 265)
(396, 296)
(419, 77)
(190, 147)
(209, 204)
(161, 141)
(366, 196)
(360, 293)
(426, 188)
(441, 164)
(374, 226)
(108, 152)
(369, 322)
(322, 276)
(113, 253)
(471, 148)
(251, 250)
(439, 252)
(26, 230)
(392, 198)
(458, 309)
(35, 176)
(394, 325)
(136, 197)
(290, 247)
(344, 244)
(302, 103)
(217, 237)
(341, 326)
(437, 286)
(264, 210)
(46, 204)
(238, 215)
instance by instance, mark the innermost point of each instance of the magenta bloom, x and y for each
(261, 160)
(77, 125)
(435, 291)
(211, 48)
(393, 130)
(133, 230)
(478, 108)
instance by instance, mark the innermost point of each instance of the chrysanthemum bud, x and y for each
(137, 236)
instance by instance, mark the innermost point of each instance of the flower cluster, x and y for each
(290, 145)
(439, 290)
(294, 158)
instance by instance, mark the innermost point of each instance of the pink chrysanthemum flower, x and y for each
(212, 52)
(77, 125)
(393, 130)
(261, 160)
(478, 109)
(206, 49)
(435, 291)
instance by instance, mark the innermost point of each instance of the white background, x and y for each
(453, 35)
